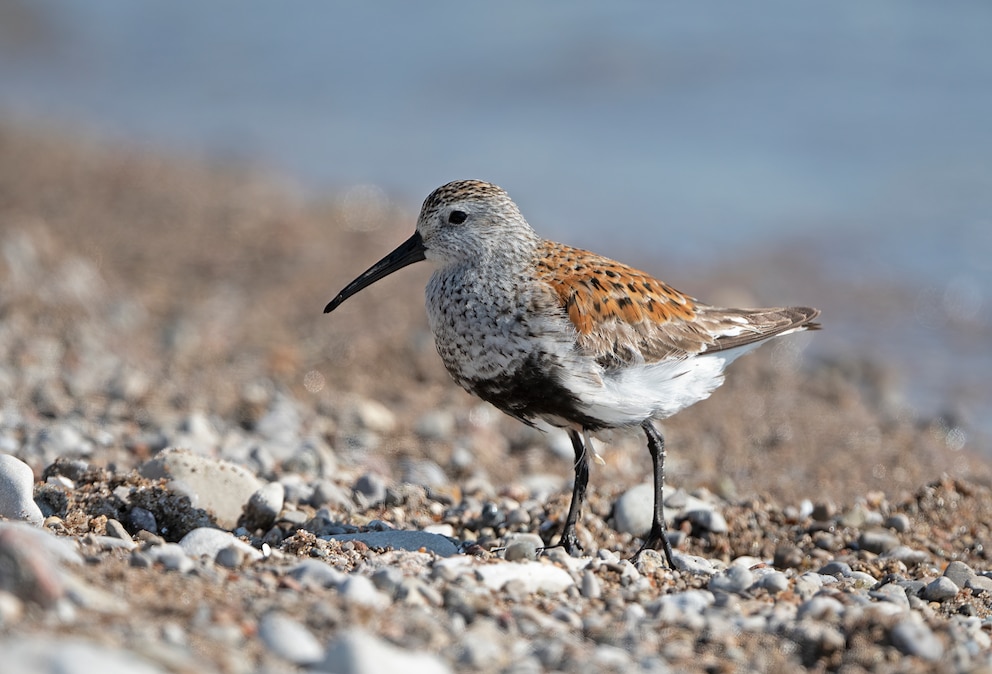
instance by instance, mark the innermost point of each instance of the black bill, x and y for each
(410, 251)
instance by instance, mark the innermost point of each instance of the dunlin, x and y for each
(545, 331)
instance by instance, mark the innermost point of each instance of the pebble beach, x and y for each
(201, 472)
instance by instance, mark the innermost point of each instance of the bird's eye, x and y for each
(457, 217)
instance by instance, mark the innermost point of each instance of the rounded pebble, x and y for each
(913, 637)
(940, 589)
(207, 542)
(17, 491)
(358, 652)
(735, 580)
(264, 506)
(289, 639)
(220, 487)
(633, 511)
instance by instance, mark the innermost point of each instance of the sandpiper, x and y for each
(544, 331)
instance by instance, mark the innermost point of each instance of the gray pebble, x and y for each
(437, 425)
(708, 520)
(370, 489)
(207, 542)
(313, 573)
(835, 568)
(912, 637)
(898, 522)
(908, 556)
(142, 519)
(117, 530)
(774, 582)
(373, 416)
(71, 655)
(672, 608)
(231, 557)
(736, 580)
(172, 557)
(402, 540)
(820, 608)
(692, 563)
(359, 590)
(358, 652)
(878, 541)
(264, 506)
(824, 511)
(388, 579)
(328, 493)
(959, 572)
(893, 594)
(941, 589)
(17, 491)
(633, 511)
(221, 487)
(281, 423)
(289, 639)
(425, 472)
(979, 584)
(522, 547)
(591, 587)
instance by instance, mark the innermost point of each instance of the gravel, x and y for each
(203, 473)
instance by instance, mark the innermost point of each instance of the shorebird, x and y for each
(544, 331)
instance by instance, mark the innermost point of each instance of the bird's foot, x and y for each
(656, 538)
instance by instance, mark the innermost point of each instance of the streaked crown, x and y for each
(471, 221)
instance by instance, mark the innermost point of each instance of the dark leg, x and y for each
(568, 539)
(656, 445)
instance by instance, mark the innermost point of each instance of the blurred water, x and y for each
(690, 133)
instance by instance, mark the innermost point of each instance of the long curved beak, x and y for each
(410, 251)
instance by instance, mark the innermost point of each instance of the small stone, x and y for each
(634, 510)
(899, 523)
(591, 587)
(361, 591)
(117, 530)
(263, 507)
(374, 416)
(908, 556)
(402, 540)
(207, 542)
(437, 425)
(788, 556)
(979, 584)
(142, 519)
(358, 652)
(692, 563)
(893, 594)
(959, 572)
(387, 579)
(289, 640)
(941, 589)
(370, 489)
(774, 582)
(231, 557)
(878, 541)
(220, 487)
(17, 491)
(313, 573)
(824, 511)
(172, 557)
(522, 547)
(912, 637)
(835, 568)
(735, 580)
(707, 520)
(820, 608)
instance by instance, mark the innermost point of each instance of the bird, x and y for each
(548, 332)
